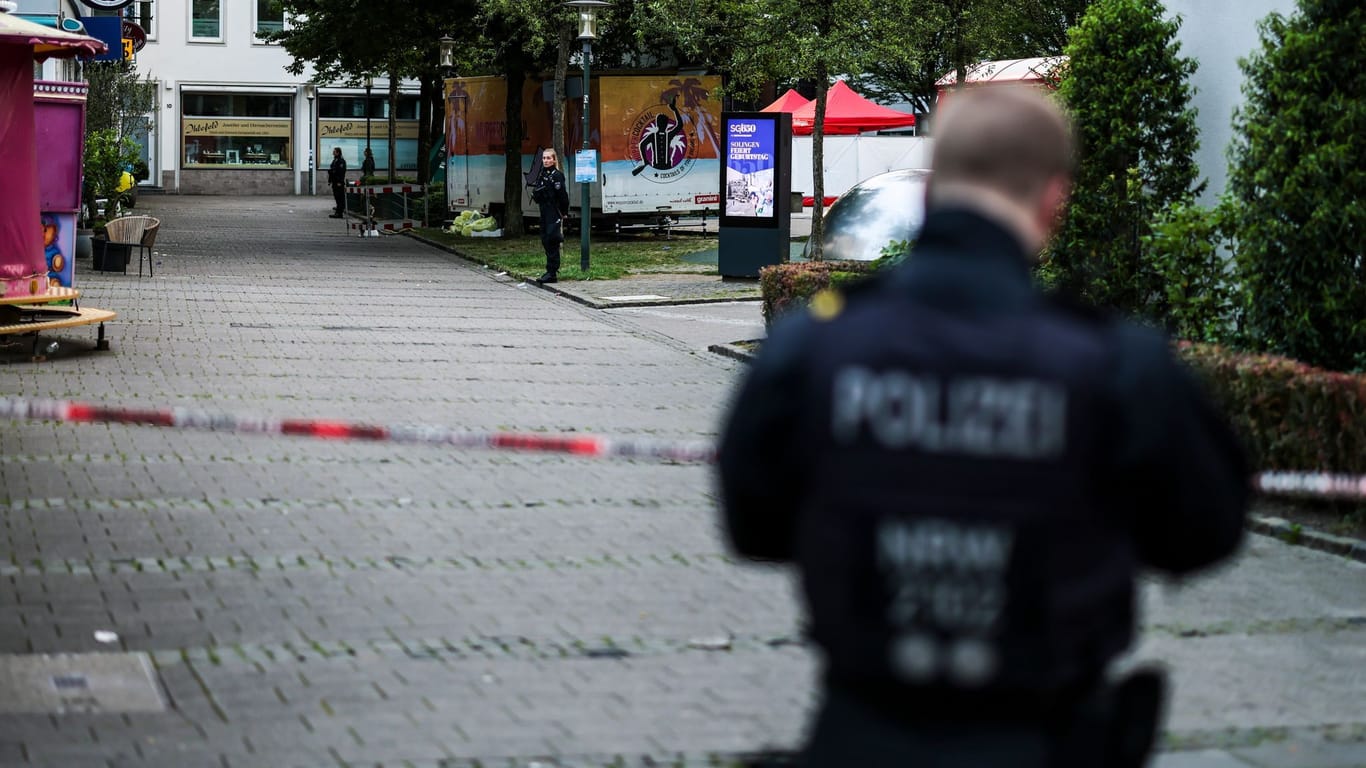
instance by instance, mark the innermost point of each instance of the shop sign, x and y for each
(355, 129)
(107, 5)
(231, 126)
(108, 30)
(134, 36)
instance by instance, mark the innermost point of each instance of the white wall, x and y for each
(1217, 33)
(851, 159)
(238, 61)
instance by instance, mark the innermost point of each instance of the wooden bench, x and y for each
(39, 312)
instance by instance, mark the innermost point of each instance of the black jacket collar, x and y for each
(964, 260)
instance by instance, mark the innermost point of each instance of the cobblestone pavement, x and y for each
(227, 600)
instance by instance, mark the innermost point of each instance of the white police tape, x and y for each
(1285, 483)
(1311, 484)
(74, 412)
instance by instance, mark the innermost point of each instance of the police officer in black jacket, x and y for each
(552, 196)
(336, 178)
(968, 474)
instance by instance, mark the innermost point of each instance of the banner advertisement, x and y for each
(751, 157)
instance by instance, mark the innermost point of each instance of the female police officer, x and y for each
(550, 193)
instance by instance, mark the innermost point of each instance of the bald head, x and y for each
(1009, 139)
(1005, 151)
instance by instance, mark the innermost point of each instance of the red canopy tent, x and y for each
(23, 266)
(846, 113)
(788, 102)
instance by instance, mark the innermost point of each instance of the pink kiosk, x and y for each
(37, 221)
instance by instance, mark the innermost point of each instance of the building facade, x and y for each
(230, 118)
(1217, 33)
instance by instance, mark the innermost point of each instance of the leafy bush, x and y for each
(106, 156)
(1190, 248)
(892, 254)
(1298, 179)
(1126, 87)
(789, 286)
(435, 202)
(1290, 415)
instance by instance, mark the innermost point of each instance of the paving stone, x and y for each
(308, 602)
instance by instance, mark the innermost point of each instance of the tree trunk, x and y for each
(818, 164)
(512, 170)
(393, 122)
(436, 121)
(424, 129)
(557, 109)
(960, 48)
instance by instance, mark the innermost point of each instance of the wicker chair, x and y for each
(135, 232)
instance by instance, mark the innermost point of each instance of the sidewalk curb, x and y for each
(587, 301)
(1296, 535)
(733, 350)
(1275, 527)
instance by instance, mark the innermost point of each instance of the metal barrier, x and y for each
(375, 208)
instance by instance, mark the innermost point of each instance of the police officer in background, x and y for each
(551, 193)
(968, 474)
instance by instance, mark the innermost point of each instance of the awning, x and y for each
(46, 42)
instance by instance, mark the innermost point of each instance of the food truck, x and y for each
(656, 135)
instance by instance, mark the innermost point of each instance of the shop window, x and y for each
(270, 17)
(140, 13)
(206, 21)
(354, 106)
(342, 125)
(236, 130)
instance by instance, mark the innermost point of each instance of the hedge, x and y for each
(789, 286)
(1291, 416)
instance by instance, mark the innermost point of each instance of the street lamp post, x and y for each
(369, 83)
(447, 54)
(310, 92)
(588, 30)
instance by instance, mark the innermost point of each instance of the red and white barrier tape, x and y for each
(1320, 484)
(191, 418)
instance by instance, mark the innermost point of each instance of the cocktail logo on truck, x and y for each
(660, 144)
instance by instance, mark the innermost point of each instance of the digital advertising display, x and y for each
(754, 168)
(755, 192)
(751, 162)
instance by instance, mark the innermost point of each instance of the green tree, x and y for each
(107, 156)
(1297, 177)
(117, 108)
(343, 40)
(920, 42)
(1126, 86)
(812, 40)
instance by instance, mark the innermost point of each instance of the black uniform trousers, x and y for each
(552, 232)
